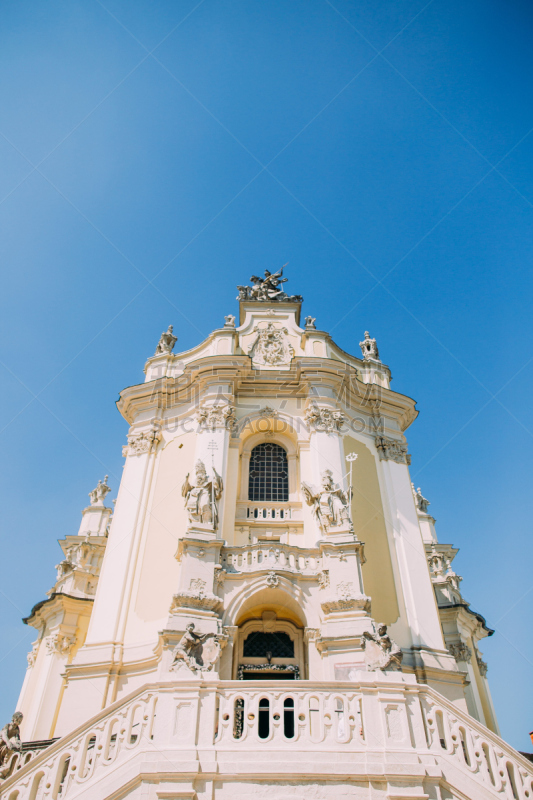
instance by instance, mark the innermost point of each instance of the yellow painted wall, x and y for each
(369, 525)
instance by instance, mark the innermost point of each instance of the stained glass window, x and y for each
(269, 473)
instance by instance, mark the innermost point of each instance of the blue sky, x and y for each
(155, 154)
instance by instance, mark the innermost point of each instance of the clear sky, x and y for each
(156, 154)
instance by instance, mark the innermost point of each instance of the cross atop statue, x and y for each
(268, 289)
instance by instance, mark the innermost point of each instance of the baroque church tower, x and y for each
(268, 610)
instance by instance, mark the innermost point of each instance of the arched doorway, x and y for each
(269, 647)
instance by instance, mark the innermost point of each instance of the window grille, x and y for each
(269, 473)
(258, 644)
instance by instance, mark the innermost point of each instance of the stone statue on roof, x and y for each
(268, 289)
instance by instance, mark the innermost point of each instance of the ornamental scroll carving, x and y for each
(60, 643)
(460, 651)
(141, 443)
(220, 415)
(324, 419)
(392, 450)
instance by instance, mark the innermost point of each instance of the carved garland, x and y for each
(267, 667)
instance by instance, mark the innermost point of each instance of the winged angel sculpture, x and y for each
(330, 503)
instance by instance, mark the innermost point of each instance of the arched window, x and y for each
(269, 473)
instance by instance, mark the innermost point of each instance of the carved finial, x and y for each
(166, 342)
(310, 323)
(268, 289)
(98, 495)
(229, 321)
(369, 348)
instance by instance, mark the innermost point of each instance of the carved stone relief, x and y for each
(323, 579)
(142, 443)
(324, 419)
(392, 449)
(460, 651)
(60, 643)
(272, 579)
(219, 415)
(271, 348)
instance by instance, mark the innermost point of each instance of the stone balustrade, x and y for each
(271, 556)
(250, 512)
(381, 730)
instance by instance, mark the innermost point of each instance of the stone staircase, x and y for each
(384, 731)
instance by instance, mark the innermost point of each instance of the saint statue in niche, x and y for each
(201, 499)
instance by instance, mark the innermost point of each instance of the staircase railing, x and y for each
(389, 717)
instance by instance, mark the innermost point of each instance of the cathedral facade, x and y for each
(267, 611)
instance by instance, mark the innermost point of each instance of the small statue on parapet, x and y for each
(9, 742)
(98, 495)
(166, 342)
(381, 652)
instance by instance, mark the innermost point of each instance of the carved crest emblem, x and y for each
(271, 347)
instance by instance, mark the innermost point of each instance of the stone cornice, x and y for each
(306, 375)
(464, 607)
(54, 603)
